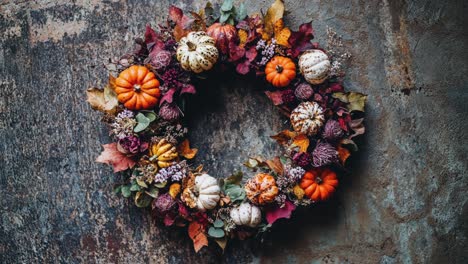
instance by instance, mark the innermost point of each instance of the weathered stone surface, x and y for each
(405, 201)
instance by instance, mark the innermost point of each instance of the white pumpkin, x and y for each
(307, 118)
(314, 66)
(197, 52)
(246, 214)
(206, 192)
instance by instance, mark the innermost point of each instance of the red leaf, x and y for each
(251, 54)
(276, 97)
(113, 157)
(150, 35)
(300, 40)
(243, 68)
(336, 87)
(168, 97)
(196, 233)
(175, 13)
(235, 52)
(278, 213)
(188, 88)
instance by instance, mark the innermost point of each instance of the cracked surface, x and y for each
(404, 202)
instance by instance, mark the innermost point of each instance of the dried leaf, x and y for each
(343, 154)
(196, 232)
(357, 125)
(280, 212)
(185, 150)
(113, 157)
(102, 100)
(243, 35)
(282, 33)
(222, 242)
(300, 40)
(276, 165)
(168, 97)
(284, 136)
(355, 101)
(275, 97)
(175, 14)
(273, 14)
(301, 141)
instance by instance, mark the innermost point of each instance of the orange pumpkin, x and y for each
(223, 35)
(261, 189)
(137, 88)
(319, 184)
(280, 71)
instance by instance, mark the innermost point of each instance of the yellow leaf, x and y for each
(301, 141)
(185, 150)
(243, 35)
(282, 33)
(273, 14)
(276, 165)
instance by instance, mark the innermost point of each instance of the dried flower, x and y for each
(298, 192)
(169, 112)
(267, 51)
(280, 199)
(302, 159)
(303, 91)
(337, 52)
(123, 124)
(161, 59)
(332, 130)
(291, 177)
(131, 145)
(288, 96)
(324, 154)
(165, 207)
(175, 172)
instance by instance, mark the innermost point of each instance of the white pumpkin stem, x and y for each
(191, 46)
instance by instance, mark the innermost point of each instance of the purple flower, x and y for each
(324, 154)
(291, 177)
(161, 60)
(303, 91)
(332, 130)
(165, 207)
(302, 159)
(125, 114)
(175, 172)
(169, 112)
(131, 145)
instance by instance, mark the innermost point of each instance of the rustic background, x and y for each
(405, 202)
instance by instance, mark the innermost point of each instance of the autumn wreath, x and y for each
(143, 108)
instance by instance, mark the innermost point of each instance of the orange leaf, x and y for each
(301, 141)
(110, 155)
(282, 33)
(272, 15)
(196, 233)
(185, 150)
(343, 154)
(284, 136)
(276, 165)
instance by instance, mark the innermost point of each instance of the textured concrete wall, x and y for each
(405, 201)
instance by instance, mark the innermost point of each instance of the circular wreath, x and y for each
(143, 108)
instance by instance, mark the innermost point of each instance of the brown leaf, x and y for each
(301, 141)
(284, 136)
(185, 150)
(222, 242)
(196, 233)
(113, 157)
(282, 33)
(357, 125)
(343, 154)
(104, 100)
(276, 165)
(273, 14)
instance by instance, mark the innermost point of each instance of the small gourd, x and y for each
(280, 71)
(204, 194)
(261, 189)
(137, 88)
(246, 214)
(197, 52)
(307, 118)
(163, 153)
(314, 65)
(319, 184)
